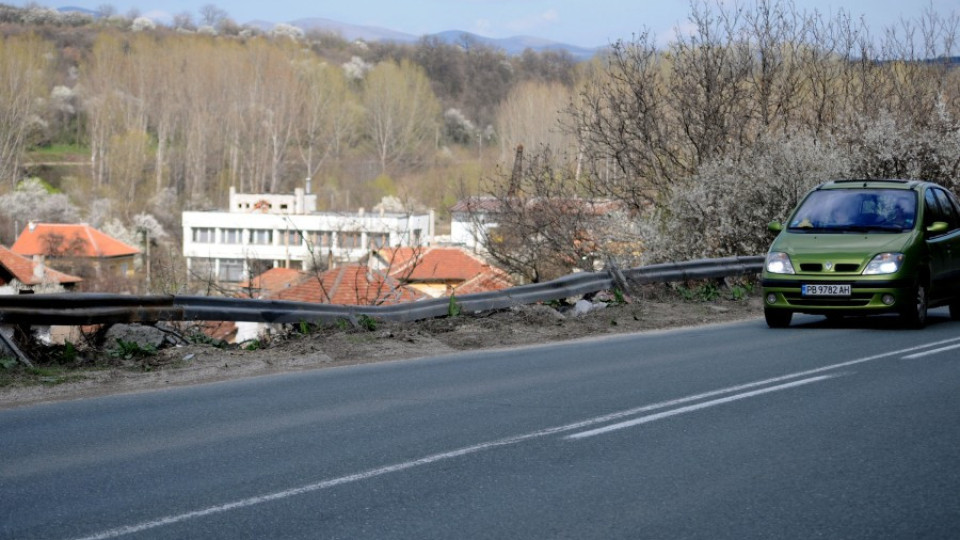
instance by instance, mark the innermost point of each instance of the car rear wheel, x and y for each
(778, 318)
(914, 314)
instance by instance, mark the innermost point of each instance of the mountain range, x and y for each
(511, 45)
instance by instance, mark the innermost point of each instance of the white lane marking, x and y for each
(372, 473)
(697, 407)
(934, 351)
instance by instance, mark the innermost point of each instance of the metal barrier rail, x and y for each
(95, 308)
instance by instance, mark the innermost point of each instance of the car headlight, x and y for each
(884, 263)
(779, 263)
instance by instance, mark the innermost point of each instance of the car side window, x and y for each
(931, 210)
(947, 210)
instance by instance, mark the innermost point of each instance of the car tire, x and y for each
(955, 310)
(914, 314)
(777, 318)
(834, 318)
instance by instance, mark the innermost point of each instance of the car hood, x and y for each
(847, 246)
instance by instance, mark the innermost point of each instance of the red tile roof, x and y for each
(494, 281)
(350, 285)
(75, 240)
(30, 273)
(453, 265)
(272, 281)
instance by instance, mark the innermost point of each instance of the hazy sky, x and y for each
(586, 23)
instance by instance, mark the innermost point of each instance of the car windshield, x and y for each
(860, 210)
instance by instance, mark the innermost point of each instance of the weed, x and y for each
(454, 309)
(708, 292)
(343, 324)
(69, 353)
(7, 362)
(704, 292)
(128, 350)
(740, 291)
(367, 322)
(618, 297)
(253, 345)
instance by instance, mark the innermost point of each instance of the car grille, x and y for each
(839, 267)
(854, 300)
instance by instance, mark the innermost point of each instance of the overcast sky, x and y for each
(587, 23)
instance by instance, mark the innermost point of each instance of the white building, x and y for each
(471, 220)
(261, 231)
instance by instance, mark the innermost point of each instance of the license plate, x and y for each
(826, 290)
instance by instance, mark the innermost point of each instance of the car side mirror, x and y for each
(938, 227)
(776, 226)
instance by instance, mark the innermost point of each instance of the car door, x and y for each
(944, 247)
(949, 206)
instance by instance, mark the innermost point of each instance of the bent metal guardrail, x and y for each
(93, 308)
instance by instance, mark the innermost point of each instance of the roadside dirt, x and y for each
(95, 373)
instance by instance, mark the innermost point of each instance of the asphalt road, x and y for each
(731, 431)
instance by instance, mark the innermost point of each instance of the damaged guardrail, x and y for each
(94, 308)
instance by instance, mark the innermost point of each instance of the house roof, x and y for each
(350, 285)
(446, 264)
(30, 273)
(75, 240)
(273, 281)
(485, 283)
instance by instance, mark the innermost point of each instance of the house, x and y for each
(261, 231)
(270, 282)
(77, 247)
(351, 284)
(440, 271)
(18, 273)
(473, 218)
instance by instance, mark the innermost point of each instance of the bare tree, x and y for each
(26, 72)
(533, 223)
(211, 15)
(402, 112)
(328, 117)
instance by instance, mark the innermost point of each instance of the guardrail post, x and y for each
(8, 344)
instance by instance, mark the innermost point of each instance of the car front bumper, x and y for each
(866, 297)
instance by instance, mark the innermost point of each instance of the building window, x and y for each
(232, 236)
(349, 240)
(319, 239)
(377, 240)
(261, 237)
(201, 269)
(204, 235)
(290, 238)
(230, 270)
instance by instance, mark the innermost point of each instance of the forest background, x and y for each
(643, 154)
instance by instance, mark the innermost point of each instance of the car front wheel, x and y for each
(914, 313)
(777, 318)
(955, 310)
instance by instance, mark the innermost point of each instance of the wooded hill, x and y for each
(701, 141)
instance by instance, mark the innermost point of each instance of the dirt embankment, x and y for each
(95, 373)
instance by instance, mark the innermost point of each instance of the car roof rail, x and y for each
(866, 181)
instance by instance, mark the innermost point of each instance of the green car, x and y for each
(863, 247)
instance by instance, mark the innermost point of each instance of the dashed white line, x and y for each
(692, 408)
(934, 351)
(372, 473)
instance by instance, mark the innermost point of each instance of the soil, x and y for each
(337, 345)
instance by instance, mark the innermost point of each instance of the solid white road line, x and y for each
(372, 473)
